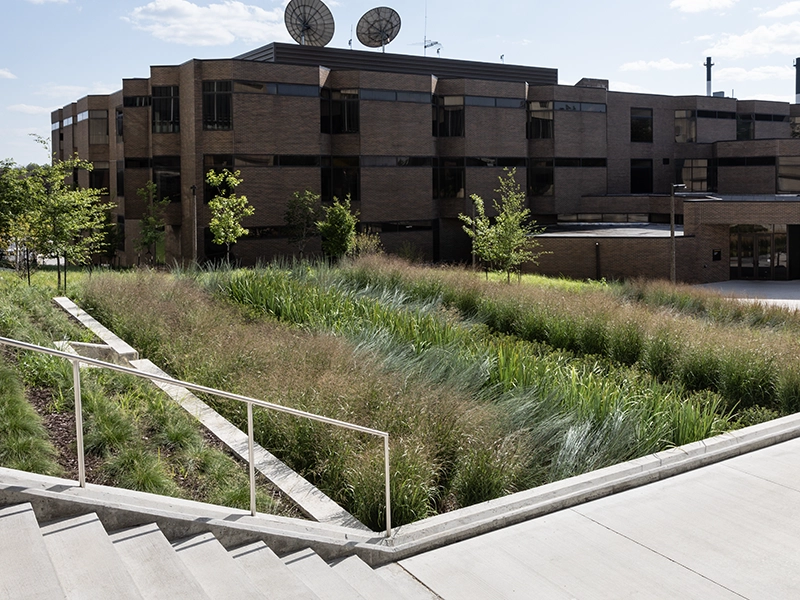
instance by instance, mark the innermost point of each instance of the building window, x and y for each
(540, 120)
(341, 176)
(789, 174)
(99, 178)
(745, 127)
(339, 110)
(217, 105)
(121, 233)
(448, 116)
(167, 177)
(120, 178)
(136, 101)
(166, 109)
(795, 125)
(641, 176)
(694, 173)
(580, 106)
(641, 124)
(449, 178)
(118, 122)
(540, 177)
(98, 125)
(685, 126)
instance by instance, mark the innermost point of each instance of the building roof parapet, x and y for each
(359, 60)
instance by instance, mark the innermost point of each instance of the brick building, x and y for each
(411, 138)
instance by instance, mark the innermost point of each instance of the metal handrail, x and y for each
(76, 375)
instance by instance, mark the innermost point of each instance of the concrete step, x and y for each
(317, 575)
(26, 571)
(365, 581)
(214, 569)
(85, 560)
(268, 572)
(154, 566)
(405, 583)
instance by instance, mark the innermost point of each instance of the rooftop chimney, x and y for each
(797, 81)
(708, 64)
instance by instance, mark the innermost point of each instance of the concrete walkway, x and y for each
(729, 530)
(779, 293)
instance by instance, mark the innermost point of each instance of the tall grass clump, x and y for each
(485, 388)
(24, 444)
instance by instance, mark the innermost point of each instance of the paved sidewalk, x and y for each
(780, 293)
(729, 530)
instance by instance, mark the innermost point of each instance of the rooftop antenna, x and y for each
(378, 27)
(309, 22)
(503, 58)
(350, 41)
(426, 43)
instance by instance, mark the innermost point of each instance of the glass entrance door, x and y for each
(759, 252)
(764, 257)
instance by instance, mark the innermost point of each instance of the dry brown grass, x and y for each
(202, 339)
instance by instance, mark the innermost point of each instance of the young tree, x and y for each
(66, 221)
(227, 209)
(301, 218)
(151, 231)
(508, 242)
(338, 229)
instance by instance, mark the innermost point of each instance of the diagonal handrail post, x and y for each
(76, 384)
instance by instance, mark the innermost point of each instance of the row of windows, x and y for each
(227, 161)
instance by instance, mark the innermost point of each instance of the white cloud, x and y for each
(780, 38)
(695, 6)
(6, 74)
(621, 86)
(757, 74)
(665, 64)
(768, 97)
(784, 10)
(184, 22)
(31, 110)
(73, 92)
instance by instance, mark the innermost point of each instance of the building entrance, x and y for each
(759, 252)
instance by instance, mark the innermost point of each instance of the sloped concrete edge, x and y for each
(123, 350)
(465, 523)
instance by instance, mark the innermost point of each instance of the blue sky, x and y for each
(53, 52)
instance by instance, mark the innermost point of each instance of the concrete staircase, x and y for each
(77, 558)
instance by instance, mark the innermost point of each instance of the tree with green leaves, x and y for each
(227, 209)
(302, 214)
(151, 230)
(66, 221)
(508, 241)
(338, 228)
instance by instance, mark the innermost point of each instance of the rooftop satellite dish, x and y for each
(378, 27)
(309, 22)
